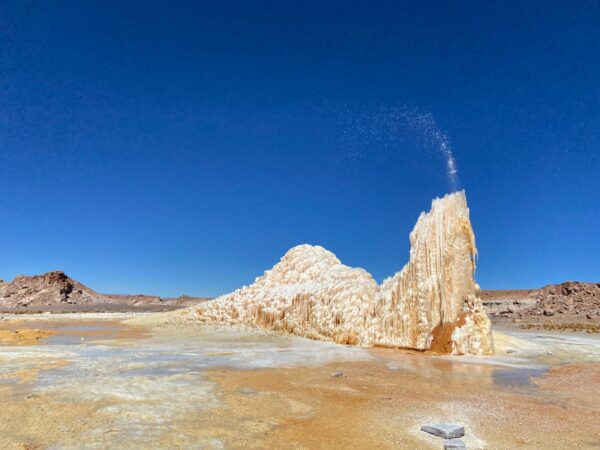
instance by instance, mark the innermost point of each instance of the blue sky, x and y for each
(171, 147)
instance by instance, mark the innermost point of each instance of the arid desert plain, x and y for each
(108, 381)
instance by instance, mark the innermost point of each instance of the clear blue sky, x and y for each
(170, 147)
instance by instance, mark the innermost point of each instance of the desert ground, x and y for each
(114, 374)
(111, 381)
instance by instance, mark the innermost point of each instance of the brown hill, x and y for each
(571, 302)
(56, 291)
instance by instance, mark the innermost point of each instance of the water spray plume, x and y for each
(423, 123)
(390, 126)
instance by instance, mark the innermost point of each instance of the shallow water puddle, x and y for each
(517, 377)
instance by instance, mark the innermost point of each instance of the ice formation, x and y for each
(431, 304)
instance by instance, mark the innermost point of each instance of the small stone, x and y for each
(510, 350)
(454, 444)
(248, 391)
(445, 430)
(548, 312)
(338, 375)
(588, 316)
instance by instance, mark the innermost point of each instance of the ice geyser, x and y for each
(431, 304)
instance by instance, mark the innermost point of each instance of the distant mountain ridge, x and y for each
(57, 289)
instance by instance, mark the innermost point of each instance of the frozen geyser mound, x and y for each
(431, 303)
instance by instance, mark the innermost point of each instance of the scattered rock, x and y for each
(454, 444)
(510, 350)
(338, 375)
(445, 430)
(588, 316)
(548, 312)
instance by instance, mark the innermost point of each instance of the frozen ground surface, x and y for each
(144, 383)
(150, 380)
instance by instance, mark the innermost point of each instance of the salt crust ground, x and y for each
(198, 387)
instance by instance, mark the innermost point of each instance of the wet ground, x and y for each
(93, 381)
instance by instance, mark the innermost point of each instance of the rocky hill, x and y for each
(55, 291)
(571, 302)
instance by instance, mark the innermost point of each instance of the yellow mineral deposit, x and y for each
(23, 337)
(431, 304)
